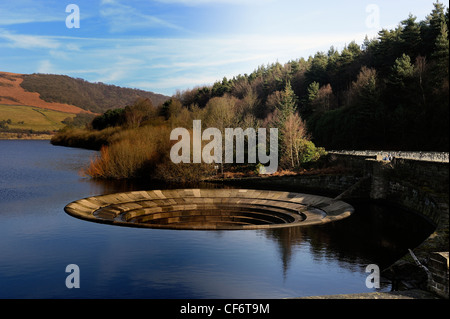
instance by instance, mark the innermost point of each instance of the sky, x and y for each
(165, 46)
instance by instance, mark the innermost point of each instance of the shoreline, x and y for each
(24, 136)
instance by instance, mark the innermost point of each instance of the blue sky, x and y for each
(168, 45)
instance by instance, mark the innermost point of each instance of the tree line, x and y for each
(390, 92)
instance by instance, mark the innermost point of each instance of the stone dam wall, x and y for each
(415, 181)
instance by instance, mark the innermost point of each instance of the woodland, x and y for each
(388, 93)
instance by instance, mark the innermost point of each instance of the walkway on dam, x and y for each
(407, 294)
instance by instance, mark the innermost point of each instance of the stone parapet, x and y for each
(420, 156)
(438, 266)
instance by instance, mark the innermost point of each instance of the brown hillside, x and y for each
(13, 94)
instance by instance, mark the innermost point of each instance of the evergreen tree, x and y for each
(387, 50)
(432, 27)
(318, 70)
(287, 105)
(440, 55)
(308, 102)
(386, 91)
(401, 71)
(411, 37)
(447, 19)
(313, 91)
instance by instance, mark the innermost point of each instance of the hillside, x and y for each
(12, 93)
(44, 103)
(66, 94)
(93, 97)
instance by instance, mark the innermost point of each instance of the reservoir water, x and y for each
(38, 240)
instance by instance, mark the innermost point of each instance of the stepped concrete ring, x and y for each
(210, 209)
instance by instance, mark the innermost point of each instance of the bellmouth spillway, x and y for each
(210, 209)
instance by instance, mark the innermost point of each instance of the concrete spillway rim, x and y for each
(312, 209)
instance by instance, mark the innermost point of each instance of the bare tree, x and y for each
(294, 133)
(221, 114)
(139, 112)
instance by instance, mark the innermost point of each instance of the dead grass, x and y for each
(144, 153)
(130, 154)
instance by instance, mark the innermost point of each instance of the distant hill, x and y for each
(94, 97)
(67, 94)
(44, 103)
(13, 94)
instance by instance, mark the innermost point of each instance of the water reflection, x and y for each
(375, 233)
(37, 180)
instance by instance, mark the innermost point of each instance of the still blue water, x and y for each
(38, 240)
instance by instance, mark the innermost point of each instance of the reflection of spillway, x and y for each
(209, 209)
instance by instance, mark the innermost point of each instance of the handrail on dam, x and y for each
(418, 156)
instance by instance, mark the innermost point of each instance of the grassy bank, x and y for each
(24, 136)
(21, 117)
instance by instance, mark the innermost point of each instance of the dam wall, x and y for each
(414, 181)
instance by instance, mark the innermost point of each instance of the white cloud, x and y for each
(167, 64)
(119, 70)
(11, 20)
(123, 18)
(28, 41)
(204, 2)
(46, 66)
(27, 11)
(181, 82)
(111, 76)
(103, 2)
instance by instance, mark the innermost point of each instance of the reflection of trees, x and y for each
(376, 234)
(287, 238)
